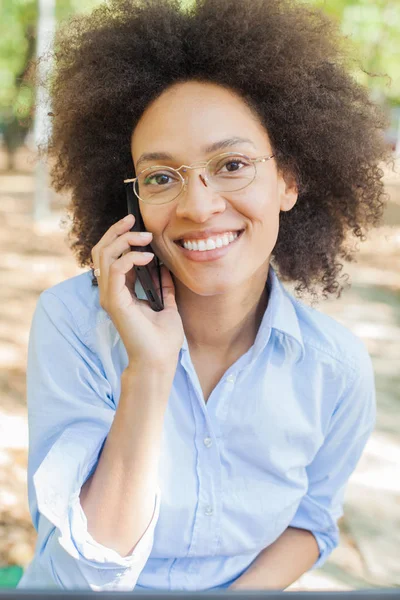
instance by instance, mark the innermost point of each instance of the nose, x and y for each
(198, 201)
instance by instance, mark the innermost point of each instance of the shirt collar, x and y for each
(279, 315)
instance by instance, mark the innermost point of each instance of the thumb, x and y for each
(168, 288)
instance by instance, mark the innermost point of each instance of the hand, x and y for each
(149, 337)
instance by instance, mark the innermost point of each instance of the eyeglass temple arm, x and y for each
(262, 158)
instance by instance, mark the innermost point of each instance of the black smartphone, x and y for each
(143, 272)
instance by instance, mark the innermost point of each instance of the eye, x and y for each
(233, 165)
(229, 165)
(157, 179)
(160, 178)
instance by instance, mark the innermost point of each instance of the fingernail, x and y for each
(127, 218)
(147, 254)
(145, 234)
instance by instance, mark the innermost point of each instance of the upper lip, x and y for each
(206, 233)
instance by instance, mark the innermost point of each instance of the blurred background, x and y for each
(35, 256)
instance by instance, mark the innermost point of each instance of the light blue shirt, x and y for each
(273, 447)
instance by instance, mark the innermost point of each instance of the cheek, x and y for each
(260, 204)
(155, 219)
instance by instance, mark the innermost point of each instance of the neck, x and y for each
(225, 323)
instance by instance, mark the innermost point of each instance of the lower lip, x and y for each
(206, 255)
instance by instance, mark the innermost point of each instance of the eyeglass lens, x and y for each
(158, 185)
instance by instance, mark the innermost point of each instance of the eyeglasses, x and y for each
(228, 172)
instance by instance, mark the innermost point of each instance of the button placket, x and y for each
(208, 511)
(205, 532)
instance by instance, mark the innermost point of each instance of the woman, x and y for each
(207, 445)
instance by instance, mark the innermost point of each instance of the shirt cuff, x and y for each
(327, 542)
(95, 552)
(321, 523)
(58, 482)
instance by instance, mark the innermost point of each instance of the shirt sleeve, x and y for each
(351, 425)
(70, 412)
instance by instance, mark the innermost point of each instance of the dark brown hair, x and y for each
(287, 60)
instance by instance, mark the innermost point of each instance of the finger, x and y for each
(131, 274)
(123, 243)
(168, 288)
(111, 234)
(119, 268)
(130, 277)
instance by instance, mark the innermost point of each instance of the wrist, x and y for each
(152, 380)
(148, 369)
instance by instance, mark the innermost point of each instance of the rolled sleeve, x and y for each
(70, 412)
(350, 428)
(58, 500)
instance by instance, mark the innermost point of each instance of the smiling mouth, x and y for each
(239, 233)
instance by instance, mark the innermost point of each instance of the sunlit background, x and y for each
(35, 256)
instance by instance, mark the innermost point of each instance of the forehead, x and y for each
(191, 115)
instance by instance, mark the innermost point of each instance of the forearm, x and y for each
(282, 563)
(118, 499)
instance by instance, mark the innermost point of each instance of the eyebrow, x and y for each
(150, 156)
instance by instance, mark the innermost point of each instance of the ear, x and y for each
(288, 191)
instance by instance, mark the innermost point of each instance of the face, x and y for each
(183, 122)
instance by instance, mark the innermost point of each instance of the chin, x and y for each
(212, 286)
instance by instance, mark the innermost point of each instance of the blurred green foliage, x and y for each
(18, 20)
(373, 27)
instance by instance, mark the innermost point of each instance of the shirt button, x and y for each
(207, 442)
(231, 378)
(209, 511)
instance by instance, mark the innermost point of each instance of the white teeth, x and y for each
(211, 243)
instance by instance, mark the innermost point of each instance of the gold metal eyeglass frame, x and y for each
(200, 165)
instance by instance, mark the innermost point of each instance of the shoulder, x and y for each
(329, 340)
(336, 362)
(74, 300)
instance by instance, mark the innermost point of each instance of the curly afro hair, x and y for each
(288, 62)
